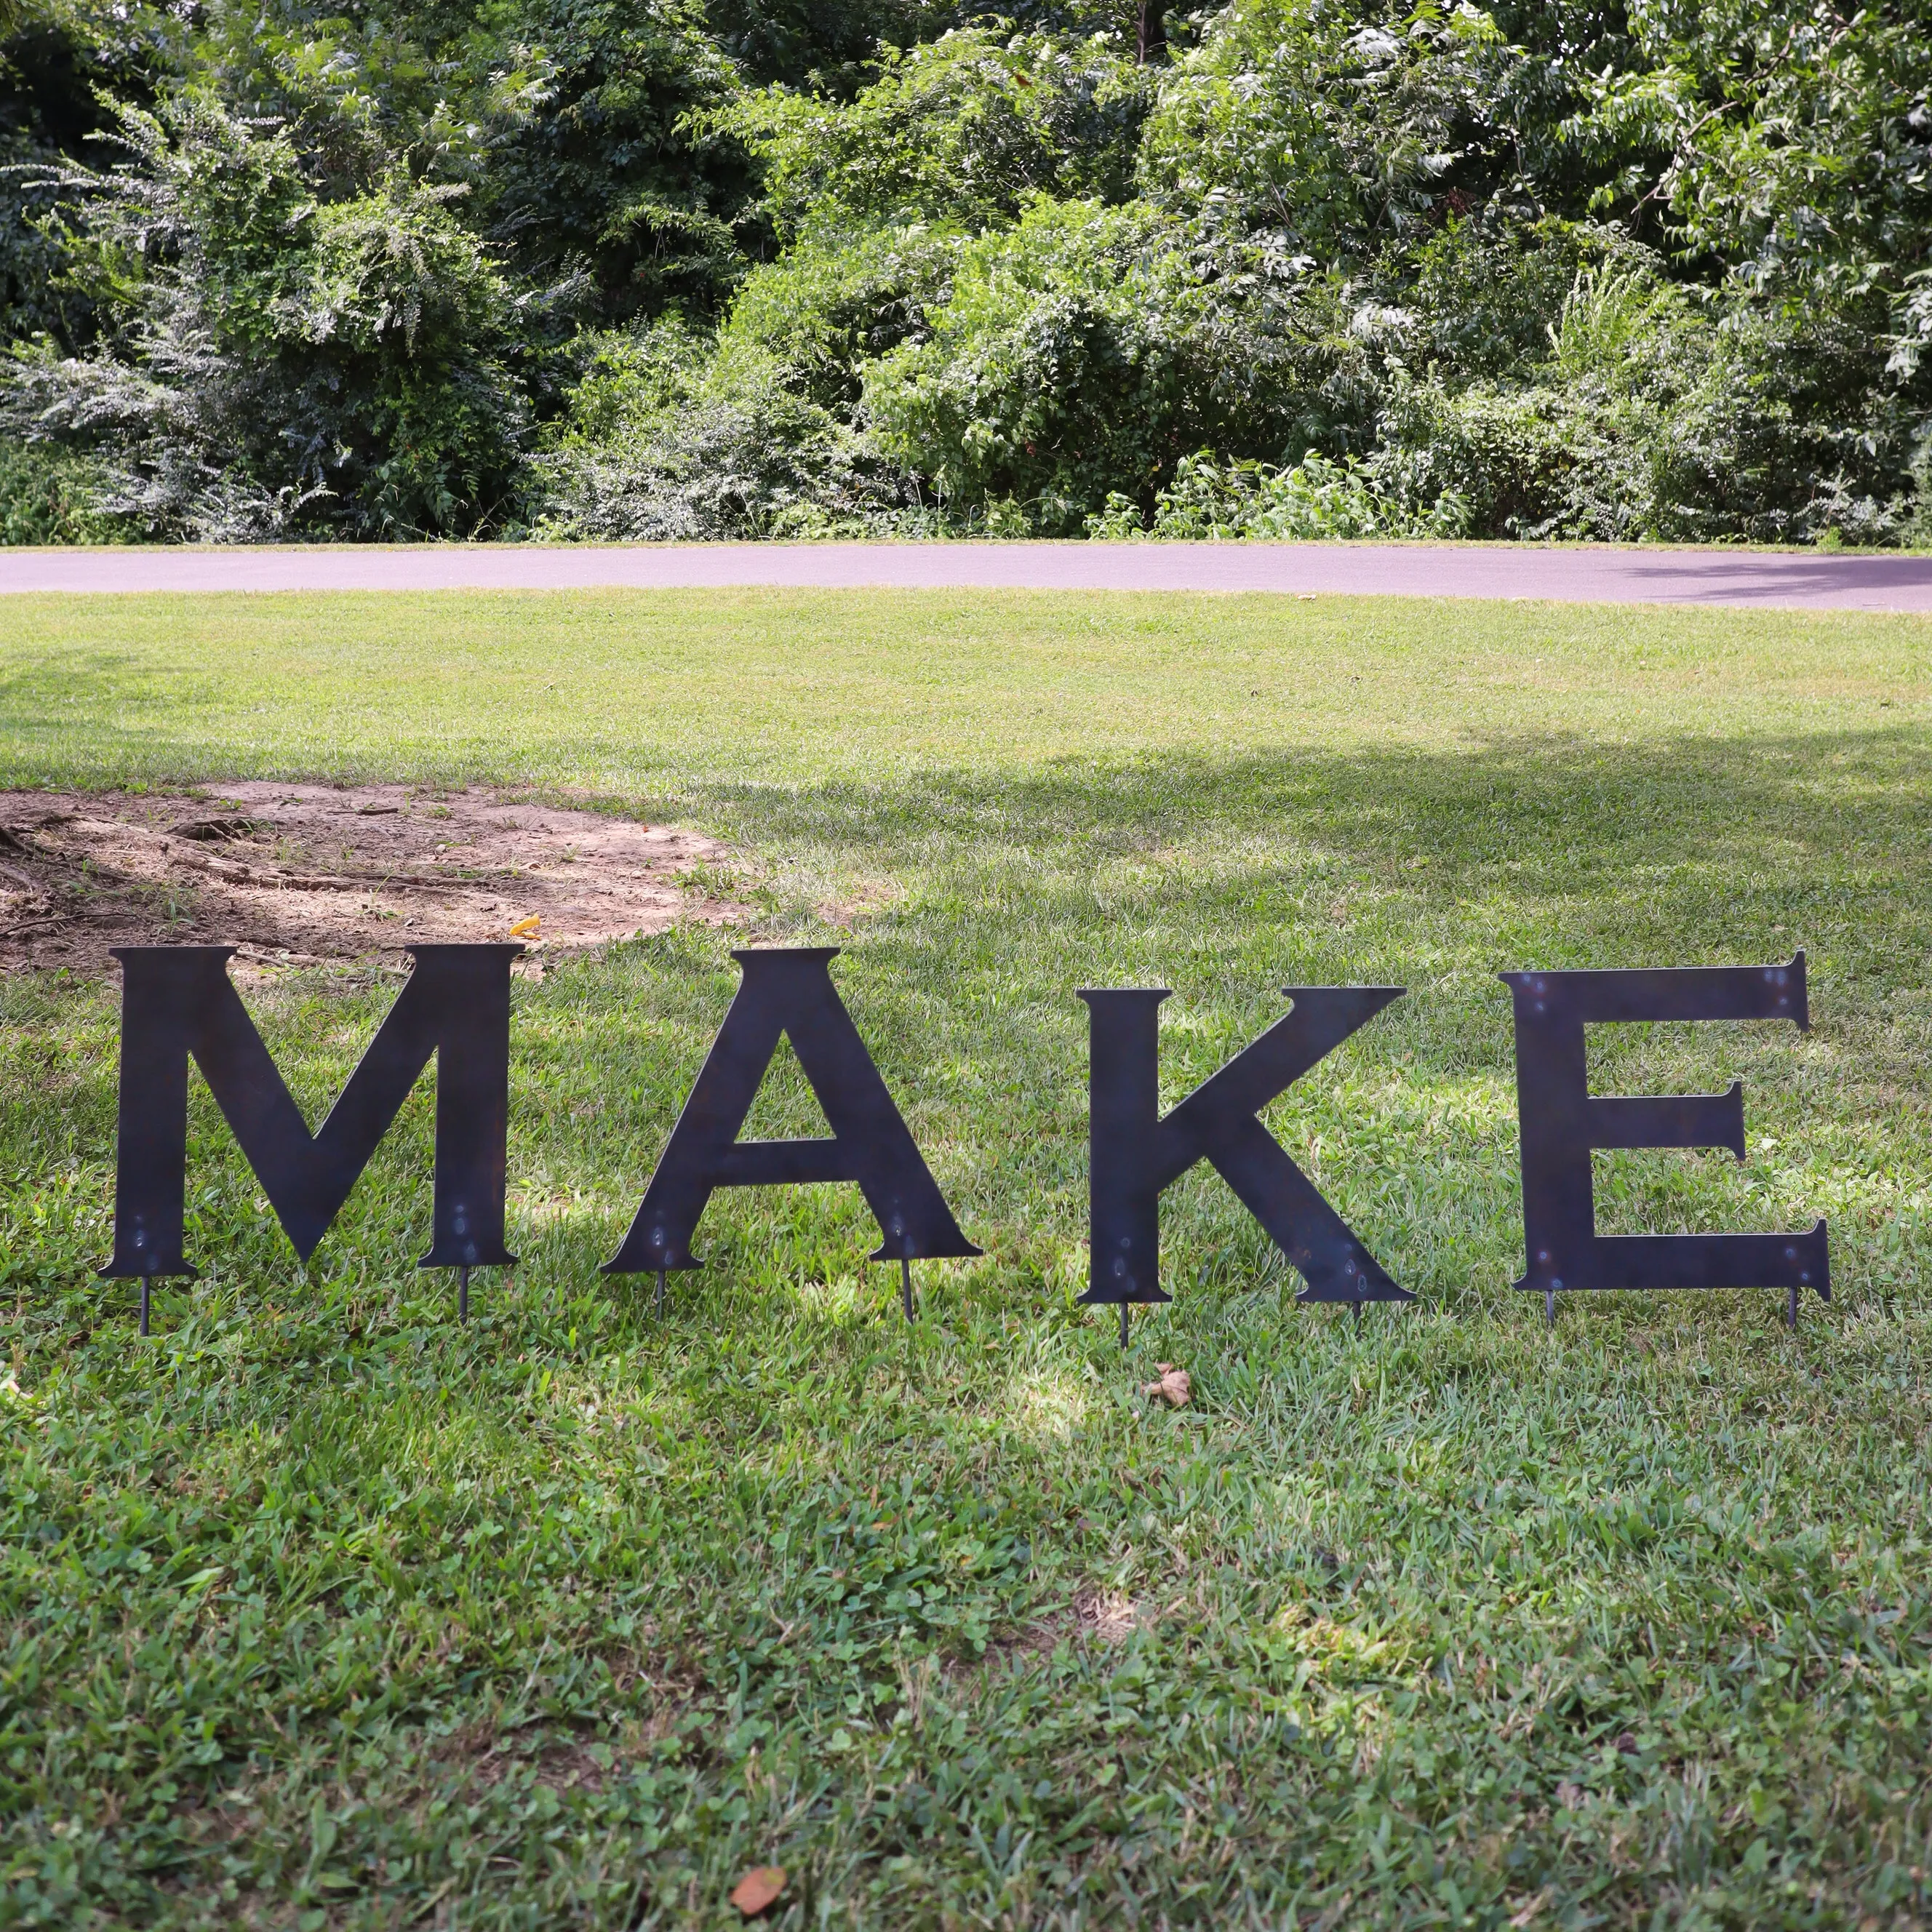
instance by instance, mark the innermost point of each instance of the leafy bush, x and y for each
(1658, 415)
(49, 495)
(837, 302)
(1793, 148)
(275, 363)
(1339, 129)
(1487, 291)
(1317, 500)
(57, 62)
(1084, 352)
(756, 431)
(612, 168)
(963, 130)
(669, 441)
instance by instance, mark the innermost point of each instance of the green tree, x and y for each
(1087, 350)
(962, 130)
(270, 361)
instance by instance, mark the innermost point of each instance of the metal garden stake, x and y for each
(787, 992)
(1135, 1154)
(1561, 1122)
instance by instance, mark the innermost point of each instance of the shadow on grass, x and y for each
(1547, 808)
(1225, 878)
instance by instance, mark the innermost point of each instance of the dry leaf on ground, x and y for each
(1173, 1387)
(758, 1890)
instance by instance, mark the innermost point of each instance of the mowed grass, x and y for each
(320, 1610)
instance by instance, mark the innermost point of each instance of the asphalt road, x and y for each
(1786, 580)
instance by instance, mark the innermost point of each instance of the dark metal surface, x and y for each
(178, 1001)
(787, 991)
(1135, 1154)
(1560, 1121)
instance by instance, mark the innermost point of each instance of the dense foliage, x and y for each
(672, 269)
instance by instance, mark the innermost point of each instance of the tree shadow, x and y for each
(1505, 852)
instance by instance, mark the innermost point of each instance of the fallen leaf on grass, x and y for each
(758, 1890)
(1173, 1387)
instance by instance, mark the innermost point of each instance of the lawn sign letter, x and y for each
(1560, 1121)
(1134, 1154)
(177, 1002)
(788, 991)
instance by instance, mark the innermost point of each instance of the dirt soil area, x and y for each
(292, 874)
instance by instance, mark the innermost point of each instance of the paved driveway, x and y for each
(1810, 580)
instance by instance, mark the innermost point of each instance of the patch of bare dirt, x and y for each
(488, 1756)
(1111, 1617)
(1093, 1617)
(295, 873)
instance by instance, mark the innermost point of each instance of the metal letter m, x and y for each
(179, 1001)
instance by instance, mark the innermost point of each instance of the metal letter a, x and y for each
(787, 992)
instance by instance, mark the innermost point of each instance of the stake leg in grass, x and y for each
(1123, 1324)
(659, 1309)
(1549, 1308)
(1791, 1312)
(146, 1282)
(463, 1294)
(905, 1285)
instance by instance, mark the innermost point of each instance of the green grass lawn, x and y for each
(322, 1611)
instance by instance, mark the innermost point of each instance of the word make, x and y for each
(178, 1003)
